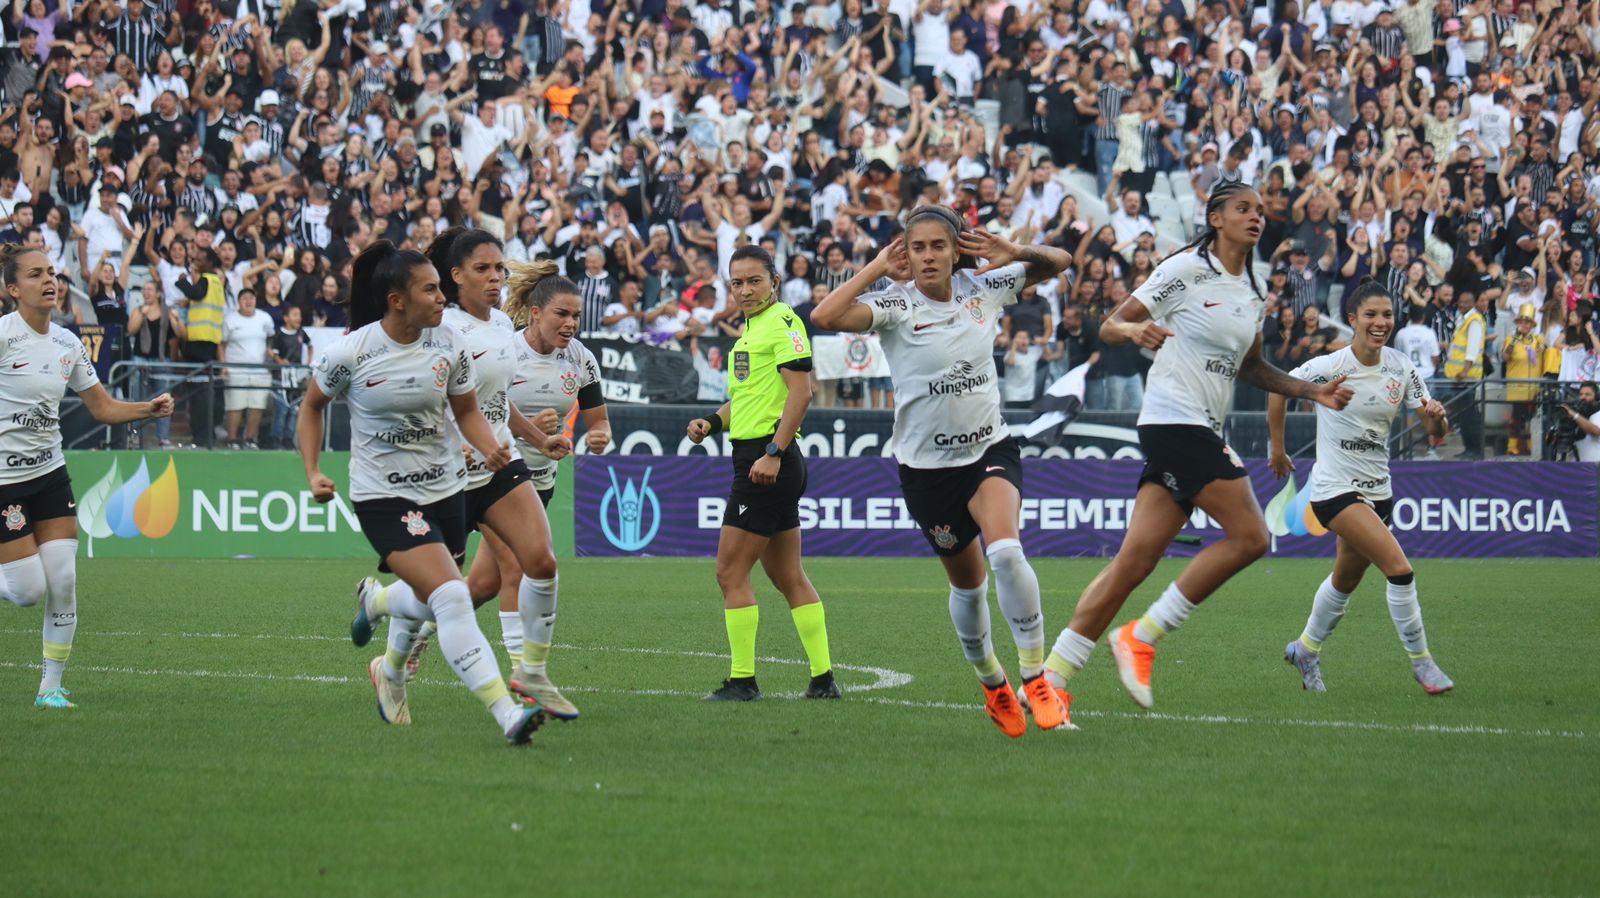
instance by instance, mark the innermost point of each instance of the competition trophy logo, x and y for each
(630, 503)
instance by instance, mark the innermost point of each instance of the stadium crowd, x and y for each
(202, 172)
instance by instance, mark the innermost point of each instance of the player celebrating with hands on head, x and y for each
(1351, 493)
(769, 391)
(38, 517)
(1200, 311)
(402, 370)
(960, 469)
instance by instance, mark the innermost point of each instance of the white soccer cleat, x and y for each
(418, 646)
(1309, 664)
(393, 706)
(537, 687)
(1430, 676)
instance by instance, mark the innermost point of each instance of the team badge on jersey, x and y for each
(741, 365)
(1392, 388)
(441, 371)
(975, 309)
(416, 525)
(66, 367)
(569, 382)
(15, 519)
(942, 537)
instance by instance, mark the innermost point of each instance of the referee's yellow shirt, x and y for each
(773, 338)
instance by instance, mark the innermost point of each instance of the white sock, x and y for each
(1070, 654)
(22, 581)
(536, 600)
(1017, 588)
(469, 653)
(511, 634)
(1407, 615)
(402, 601)
(403, 632)
(1326, 610)
(1167, 614)
(59, 558)
(969, 611)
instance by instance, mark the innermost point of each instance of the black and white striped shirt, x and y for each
(1301, 289)
(596, 293)
(1150, 131)
(140, 40)
(199, 199)
(1110, 104)
(833, 280)
(369, 79)
(272, 133)
(1387, 43)
(1499, 25)
(1394, 281)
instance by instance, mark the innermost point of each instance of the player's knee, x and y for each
(450, 601)
(1253, 542)
(484, 588)
(730, 577)
(1132, 569)
(1006, 557)
(1402, 575)
(25, 583)
(542, 566)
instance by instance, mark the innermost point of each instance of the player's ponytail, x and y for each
(450, 250)
(523, 282)
(11, 261)
(381, 269)
(1208, 235)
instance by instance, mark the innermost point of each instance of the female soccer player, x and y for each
(1351, 492)
(1201, 313)
(38, 520)
(960, 470)
(402, 369)
(553, 373)
(768, 395)
(476, 270)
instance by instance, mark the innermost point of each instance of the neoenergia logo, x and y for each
(130, 507)
(1289, 512)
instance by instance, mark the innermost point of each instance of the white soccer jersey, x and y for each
(402, 444)
(35, 371)
(549, 381)
(1352, 449)
(1420, 344)
(1214, 318)
(941, 354)
(490, 345)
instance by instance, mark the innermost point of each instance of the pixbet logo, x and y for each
(630, 502)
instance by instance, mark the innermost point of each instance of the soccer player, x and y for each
(38, 521)
(1200, 312)
(402, 370)
(497, 501)
(1351, 493)
(960, 469)
(768, 395)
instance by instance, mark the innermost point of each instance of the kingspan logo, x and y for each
(132, 506)
(629, 533)
(962, 377)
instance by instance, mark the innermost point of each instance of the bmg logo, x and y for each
(633, 504)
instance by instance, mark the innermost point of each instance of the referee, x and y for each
(769, 392)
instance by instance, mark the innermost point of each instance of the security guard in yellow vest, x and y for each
(1464, 366)
(207, 302)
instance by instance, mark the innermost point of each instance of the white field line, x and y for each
(886, 679)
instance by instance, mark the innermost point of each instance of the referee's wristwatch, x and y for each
(773, 450)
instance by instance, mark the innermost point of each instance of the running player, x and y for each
(1201, 313)
(401, 370)
(38, 520)
(1351, 493)
(768, 395)
(960, 469)
(476, 270)
(553, 373)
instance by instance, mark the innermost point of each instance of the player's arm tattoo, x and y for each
(1041, 263)
(1258, 372)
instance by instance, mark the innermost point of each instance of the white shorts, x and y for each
(247, 390)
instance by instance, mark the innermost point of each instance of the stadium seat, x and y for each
(1082, 180)
(1162, 186)
(1090, 206)
(1166, 211)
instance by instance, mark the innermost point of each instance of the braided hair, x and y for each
(1208, 234)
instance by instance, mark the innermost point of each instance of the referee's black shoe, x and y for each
(823, 686)
(736, 689)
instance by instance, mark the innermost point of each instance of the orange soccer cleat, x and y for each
(1045, 702)
(1001, 705)
(1133, 663)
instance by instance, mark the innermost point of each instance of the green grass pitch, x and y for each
(226, 744)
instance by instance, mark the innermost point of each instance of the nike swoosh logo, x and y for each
(917, 329)
(72, 505)
(994, 468)
(518, 382)
(479, 355)
(373, 383)
(16, 365)
(1210, 304)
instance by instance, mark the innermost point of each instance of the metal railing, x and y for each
(203, 392)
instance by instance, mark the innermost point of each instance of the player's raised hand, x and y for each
(1334, 394)
(893, 261)
(548, 421)
(995, 250)
(1151, 336)
(160, 407)
(322, 488)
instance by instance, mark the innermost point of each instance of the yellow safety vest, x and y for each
(205, 315)
(1456, 361)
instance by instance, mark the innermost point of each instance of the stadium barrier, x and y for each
(672, 505)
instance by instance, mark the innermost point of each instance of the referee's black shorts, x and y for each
(43, 498)
(1184, 458)
(937, 497)
(483, 498)
(395, 525)
(765, 509)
